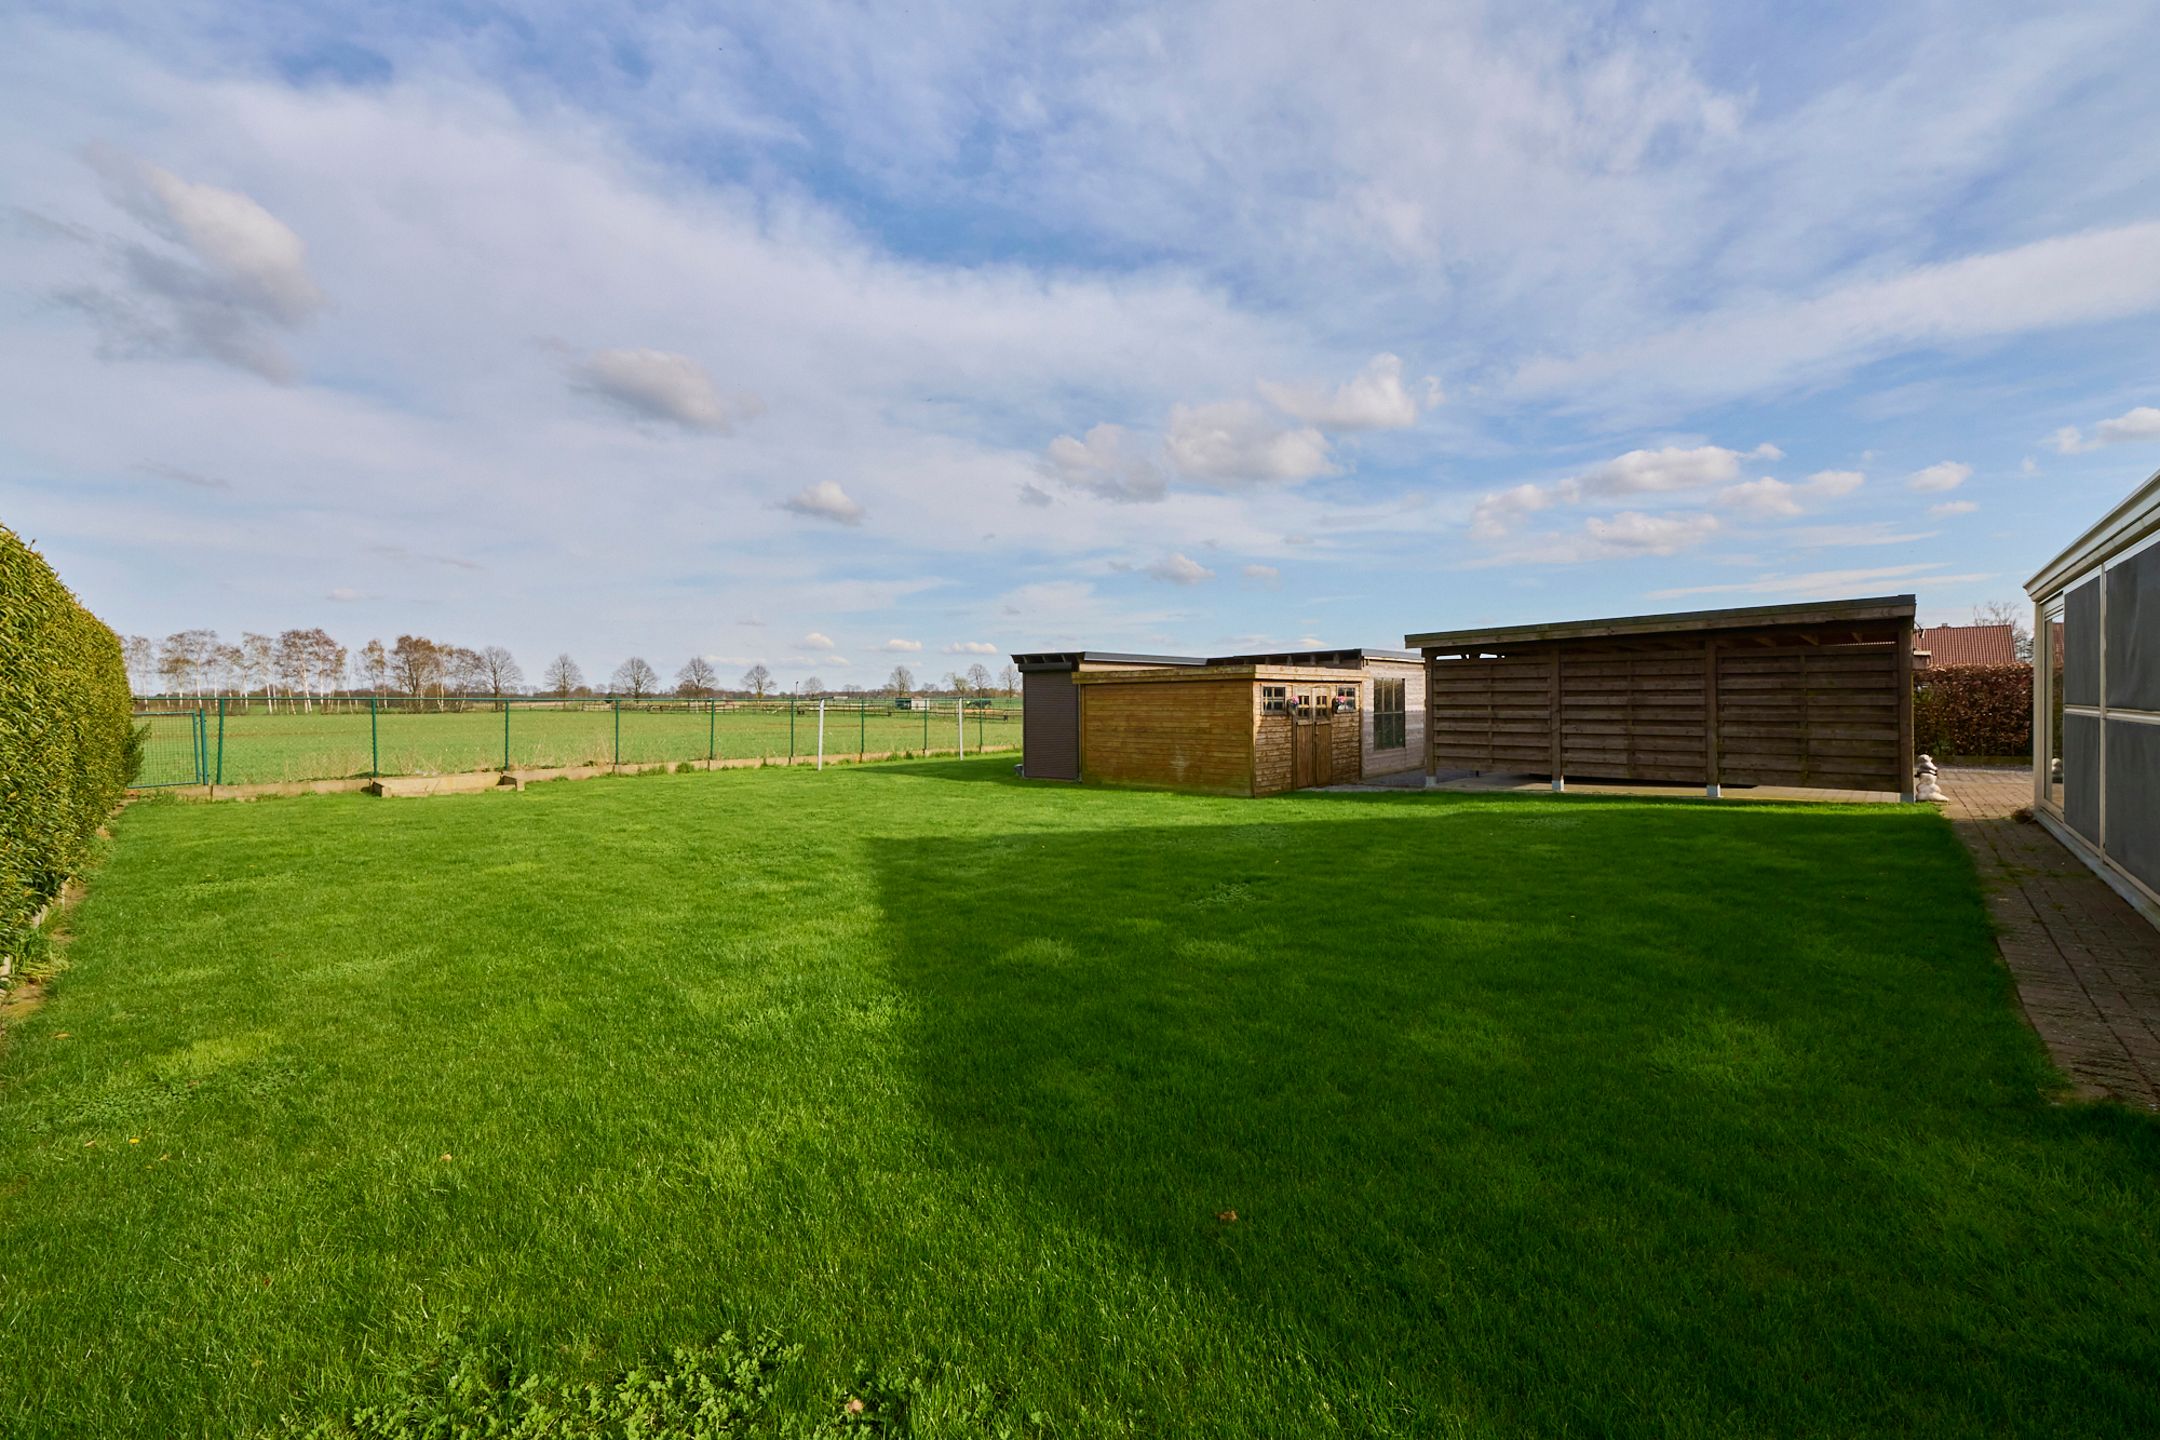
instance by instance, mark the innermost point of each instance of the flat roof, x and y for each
(1748, 617)
(1067, 659)
(1346, 657)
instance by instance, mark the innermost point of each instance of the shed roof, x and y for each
(1068, 659)
(1876, 609)
(1350, 659)
(1967, 645)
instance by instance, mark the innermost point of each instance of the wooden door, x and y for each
(1312, 742)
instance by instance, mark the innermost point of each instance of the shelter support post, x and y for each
(1905, 710)
(1712, 786)
(1559, 760)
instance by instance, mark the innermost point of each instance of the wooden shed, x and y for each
(1225, 729)
(1050, 717)
(1816, 695)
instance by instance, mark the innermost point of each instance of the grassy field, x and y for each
(263, 746)
(1567, 1116)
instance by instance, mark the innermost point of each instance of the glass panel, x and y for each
(2051, 661)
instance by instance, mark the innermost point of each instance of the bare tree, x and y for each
(696, 679)
(757, 680)
(224, 668)
(501, 669)
(257, 661)
(635, 678)
(955, 683)
(901, 681)
(2004, 612)
(374, 666)
(464, 671)
(1009, 679)
(140, 656)
(812, 686)
(562, 675)
(978, 678)
(416, 664)
(183, 658)
(329, 662)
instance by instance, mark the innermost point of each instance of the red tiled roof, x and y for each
(1967, 645)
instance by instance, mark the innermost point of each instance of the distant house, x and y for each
(1936, 646)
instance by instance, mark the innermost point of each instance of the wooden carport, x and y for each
(1816, 695)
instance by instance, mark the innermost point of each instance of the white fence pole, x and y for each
(821, 734)
(959, 715)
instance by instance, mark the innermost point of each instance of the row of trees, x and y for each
(304, 666)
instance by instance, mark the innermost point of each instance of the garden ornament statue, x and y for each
(1924, 773)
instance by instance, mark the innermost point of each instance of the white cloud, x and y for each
(1673, 469)
(346, 593)
(815, 640)
(1820, 584)
(1941, 476)
(1180, 569)
(1235, 441)
(1373, 399)
(1770, 498)
(1262, 574)
(1629, 534)
(1103, 464)
(825, 501)
(1761, 345)
(971, 647)
(901, 647)
(1954, 507)
(229, 273)
(658, 385)
(2141, 423)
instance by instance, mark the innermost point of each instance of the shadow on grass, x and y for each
(1608, 1115)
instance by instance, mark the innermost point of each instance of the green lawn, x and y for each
(1576, 1115)
(258, 745)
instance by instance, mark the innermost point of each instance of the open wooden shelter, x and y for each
(1816, 695)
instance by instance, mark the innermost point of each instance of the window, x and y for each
(1274, 699)
(1390, 720)
(1346, 699)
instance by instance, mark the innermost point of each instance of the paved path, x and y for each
(2087, 965)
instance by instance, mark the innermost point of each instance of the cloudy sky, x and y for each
(828, 336)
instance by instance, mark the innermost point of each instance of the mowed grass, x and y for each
(1569, 1116)
(262, 746)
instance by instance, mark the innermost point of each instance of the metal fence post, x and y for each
(506, 730)
(862, 730)
(791, 729)
(712, 721)
(615, 701)
(821, 734)
(926, 727)
(220, 741)
(374, 743)
(959, 715)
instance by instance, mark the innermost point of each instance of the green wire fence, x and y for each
(252, 740)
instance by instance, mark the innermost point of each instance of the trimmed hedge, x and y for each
(1973, 710)
(66, 733)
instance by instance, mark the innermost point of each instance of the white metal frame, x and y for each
(2131, 528)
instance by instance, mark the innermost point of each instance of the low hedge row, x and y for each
(67, 740)
(1973, 710)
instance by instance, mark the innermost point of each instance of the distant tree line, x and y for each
(301, 667)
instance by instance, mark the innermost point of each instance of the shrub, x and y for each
(1973, 710)
(67, 738)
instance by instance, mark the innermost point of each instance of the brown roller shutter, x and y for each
(1050, 726)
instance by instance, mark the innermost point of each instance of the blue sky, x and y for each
(833, 338)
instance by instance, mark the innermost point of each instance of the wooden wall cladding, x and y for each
(1192, 735)
(1821, 716)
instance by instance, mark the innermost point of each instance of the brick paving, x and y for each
(2087, 965)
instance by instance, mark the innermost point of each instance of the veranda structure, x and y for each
(1816, 695)
(2096, 697)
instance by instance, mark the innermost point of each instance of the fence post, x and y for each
(959, 715)
(505, 702)
(220, 742)
(712, 720)
(791, 729)
(926, 728)
(202, 765)
(615, 703)
(374, 744)
(862, 731)
(821, 734)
